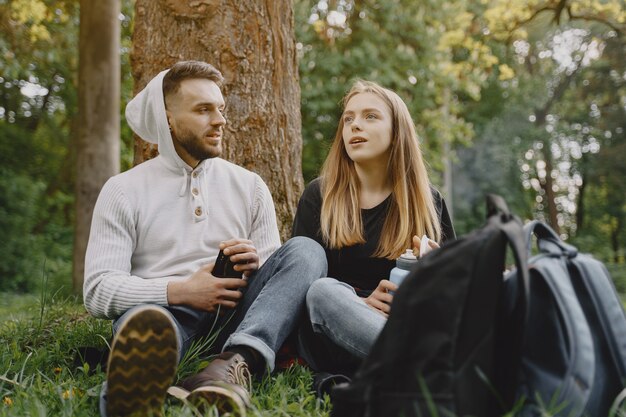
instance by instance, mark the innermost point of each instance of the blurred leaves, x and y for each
(38, 109)
(508, 86)
(422, 50)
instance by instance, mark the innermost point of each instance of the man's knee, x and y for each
(128, 313)
(309, 253)
(117, 323)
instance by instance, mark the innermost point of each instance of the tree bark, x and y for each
(252, 43)
(98, 141)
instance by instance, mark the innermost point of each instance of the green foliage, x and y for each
(563, 104)
(38, 64)
(618, 273)
(403, 45)
(17, 215)
(22, 210)
(38, 111)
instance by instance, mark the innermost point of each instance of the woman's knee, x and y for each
(320, 290)
(324, 298)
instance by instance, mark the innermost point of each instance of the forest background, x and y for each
(526, 99)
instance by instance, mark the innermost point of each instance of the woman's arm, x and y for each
(307, 219)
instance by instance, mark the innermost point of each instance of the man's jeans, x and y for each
(270, 309)
(341, 329)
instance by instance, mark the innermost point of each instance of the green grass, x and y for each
(16, 306)
(39, 335)
(38, 376)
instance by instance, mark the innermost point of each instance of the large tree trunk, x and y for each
(252, 43)
(98, 141)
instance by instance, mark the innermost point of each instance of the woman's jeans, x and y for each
(340, 330)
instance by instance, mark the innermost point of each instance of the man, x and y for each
(155, 234)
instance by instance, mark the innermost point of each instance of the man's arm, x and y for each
(109, 288)
(264, 231)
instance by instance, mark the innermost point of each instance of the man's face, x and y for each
(194, 114)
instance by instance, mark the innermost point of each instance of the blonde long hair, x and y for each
(412, 210)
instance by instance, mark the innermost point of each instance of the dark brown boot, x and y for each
(225, 383)
(227, 367)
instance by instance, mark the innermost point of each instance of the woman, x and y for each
(373, 200)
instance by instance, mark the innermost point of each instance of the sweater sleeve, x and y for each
(264, 232)
(109, 288)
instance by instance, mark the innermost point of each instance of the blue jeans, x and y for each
(341, 328)
(270, 309)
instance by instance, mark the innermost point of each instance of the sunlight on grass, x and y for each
(17, 306)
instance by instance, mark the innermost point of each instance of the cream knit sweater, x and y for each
(161, 220)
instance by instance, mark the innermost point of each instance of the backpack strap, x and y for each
(511, 226)
(496, 205)
(514, 309)
(547, 240)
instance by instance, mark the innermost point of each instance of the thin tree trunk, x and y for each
(252, 43)
(447, 160)
(580, 206)
(540, 121)
(548, 187)
(98, 141)
(615, 232)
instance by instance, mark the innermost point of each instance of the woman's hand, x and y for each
(380, 299)
(417, 245)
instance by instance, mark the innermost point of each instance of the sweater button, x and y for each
(194, 191)
(195, 174)
(198, 211)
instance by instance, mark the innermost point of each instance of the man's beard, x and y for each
(194, 146)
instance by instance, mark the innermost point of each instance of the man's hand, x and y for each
(243, 254)
(203, 291)
(380, 300)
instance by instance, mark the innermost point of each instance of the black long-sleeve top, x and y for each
(355, 265)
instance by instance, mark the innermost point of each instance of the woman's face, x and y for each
(367, 129)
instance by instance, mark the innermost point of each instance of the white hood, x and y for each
(146, 116)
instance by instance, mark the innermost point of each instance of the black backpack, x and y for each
(574, 351)
(437, 353)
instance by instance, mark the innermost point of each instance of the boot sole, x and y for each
(142, 364)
